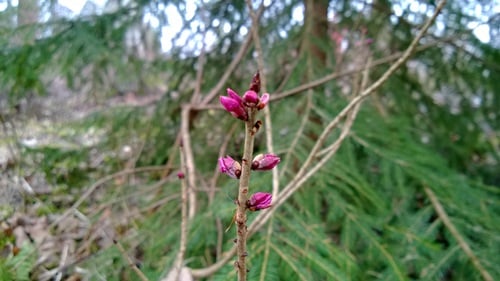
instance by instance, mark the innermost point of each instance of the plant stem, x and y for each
(241, 216)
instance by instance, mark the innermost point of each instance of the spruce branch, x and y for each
(304, 173)
(456, 234)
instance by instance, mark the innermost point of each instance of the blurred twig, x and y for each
(336, 75)
(189, 166)
(100, 182)
(127, 257)
(184, 219)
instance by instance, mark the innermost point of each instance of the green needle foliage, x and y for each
(430, 132)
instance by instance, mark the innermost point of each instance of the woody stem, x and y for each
(241, 217)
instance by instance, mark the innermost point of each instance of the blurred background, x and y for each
(90, 109)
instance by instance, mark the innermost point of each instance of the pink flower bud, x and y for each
(255, 85)
(234, 107)
(230, 167)
(251, 98)
(180, 175)
(263, 101)
(264, 162)
(259, 201)
(233, 95)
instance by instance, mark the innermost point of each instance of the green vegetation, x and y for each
(413, 193)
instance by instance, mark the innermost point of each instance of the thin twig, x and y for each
(168, 166)
(336, 75)
(100, 182)
(5, 128)
(243, 190)
(298, 134)
(454, 232)
(364, 82)
(267, 118)
(127, 257)
(213, 268)
(189, 158)
(267, 113)
(184, 219)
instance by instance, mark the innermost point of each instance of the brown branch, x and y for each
(336, 75)
(243, 190)
(184, 219)
(189, 159)
(267, 114)
(454, 232)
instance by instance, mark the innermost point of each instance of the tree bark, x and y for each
(316, 28)
(27, 16)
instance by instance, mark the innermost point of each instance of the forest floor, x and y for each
(43, 124)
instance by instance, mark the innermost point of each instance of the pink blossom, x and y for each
(265, 162)
(233, 95)
(263, 101)
(230, 167)
(251, 98)
(259, 201)
(233, 103)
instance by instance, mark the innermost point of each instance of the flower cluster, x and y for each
(238, 106)
(261, 162)
(243, 108)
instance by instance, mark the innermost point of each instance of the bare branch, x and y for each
(176, 269)
(189, 158)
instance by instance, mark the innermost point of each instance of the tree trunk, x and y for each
(27, 17)
(316, 28)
